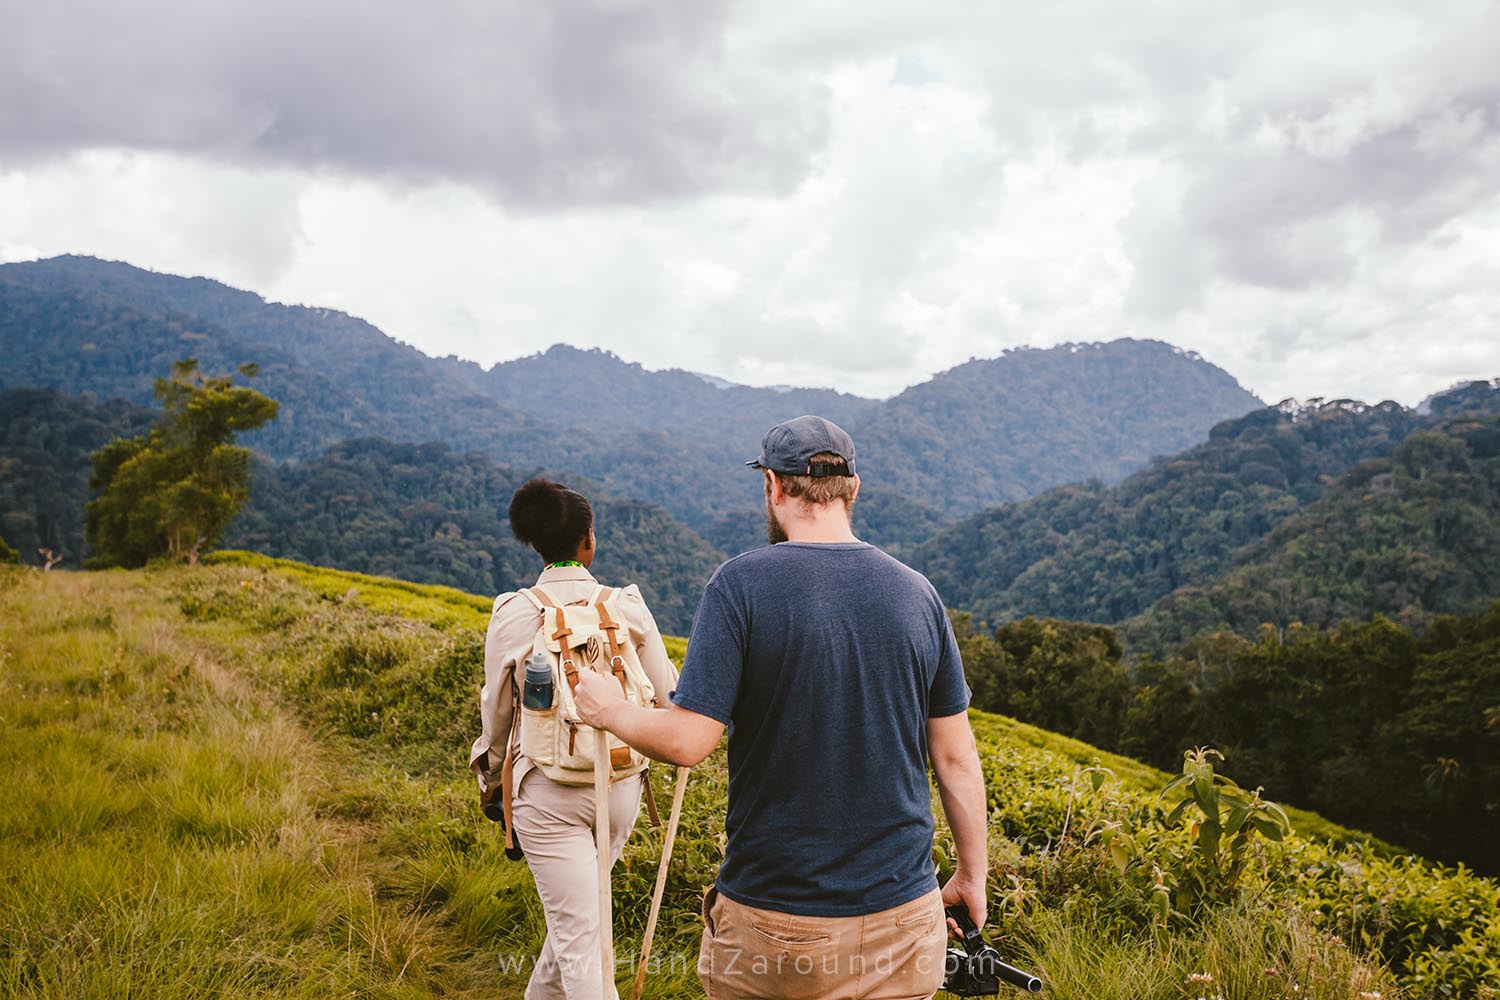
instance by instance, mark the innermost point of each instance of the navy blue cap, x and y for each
(788, 448)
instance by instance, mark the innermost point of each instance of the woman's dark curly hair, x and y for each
(550, 518)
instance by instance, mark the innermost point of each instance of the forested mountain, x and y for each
(1092, 552)
(1009, 427)
(1012, 425)
(1002, 427)
(45, 441)
(426, 513)
(422, 512)
(592, 389)
(81, 325)
(1310, 513)
(1410, 535)
(682, 440)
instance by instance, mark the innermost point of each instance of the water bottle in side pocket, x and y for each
(537, 693)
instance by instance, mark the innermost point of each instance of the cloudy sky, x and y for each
(855, 194)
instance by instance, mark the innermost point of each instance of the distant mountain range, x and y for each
(1127, 483)
(983, 433)
(1093, 552)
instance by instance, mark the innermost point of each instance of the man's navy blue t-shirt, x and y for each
(826, 661)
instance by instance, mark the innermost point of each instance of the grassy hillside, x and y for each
(247, 780)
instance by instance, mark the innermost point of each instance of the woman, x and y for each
(552, 822)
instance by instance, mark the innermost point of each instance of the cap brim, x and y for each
(754, 463)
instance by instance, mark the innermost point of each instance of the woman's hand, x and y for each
(595, 696)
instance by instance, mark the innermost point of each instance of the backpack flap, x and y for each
(561, 639)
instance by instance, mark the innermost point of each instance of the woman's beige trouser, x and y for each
(555, 824)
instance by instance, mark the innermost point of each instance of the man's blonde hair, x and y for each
(818, 490)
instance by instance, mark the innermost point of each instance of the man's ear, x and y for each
(775, 491)
(855, 495)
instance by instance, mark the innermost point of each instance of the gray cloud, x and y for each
(545, 104)
(836, 193)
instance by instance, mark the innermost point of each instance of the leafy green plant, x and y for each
(1226, 819)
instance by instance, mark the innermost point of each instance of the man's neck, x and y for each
(830, 527)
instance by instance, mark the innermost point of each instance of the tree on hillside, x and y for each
(169, 493)
(8, 554)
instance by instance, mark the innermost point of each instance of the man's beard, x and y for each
(774, 531)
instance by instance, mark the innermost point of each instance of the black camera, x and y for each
(976, 969)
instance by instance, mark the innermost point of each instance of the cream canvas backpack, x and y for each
(587, 635)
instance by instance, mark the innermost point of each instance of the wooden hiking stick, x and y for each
(661, 880)
(602, 772)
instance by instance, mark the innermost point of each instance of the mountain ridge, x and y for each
(79, 324)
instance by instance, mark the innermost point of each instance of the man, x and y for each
(837, 673)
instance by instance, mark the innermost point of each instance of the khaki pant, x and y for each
(749, 952)
(555, 824)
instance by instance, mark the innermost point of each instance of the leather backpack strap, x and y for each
(508, 770)
(651, 799)
(611, 629)
(565, 652)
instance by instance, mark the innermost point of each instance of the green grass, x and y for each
(442, 607)
(248, 779)
(174, 830)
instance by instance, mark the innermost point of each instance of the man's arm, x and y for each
(955, 759)
(674, 735)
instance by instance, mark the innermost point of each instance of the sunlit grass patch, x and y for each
(171, 831)
(438, 605)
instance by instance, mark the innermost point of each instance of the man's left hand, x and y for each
(595, 695)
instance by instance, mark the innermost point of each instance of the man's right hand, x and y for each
(596, 695)
(970, 892)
